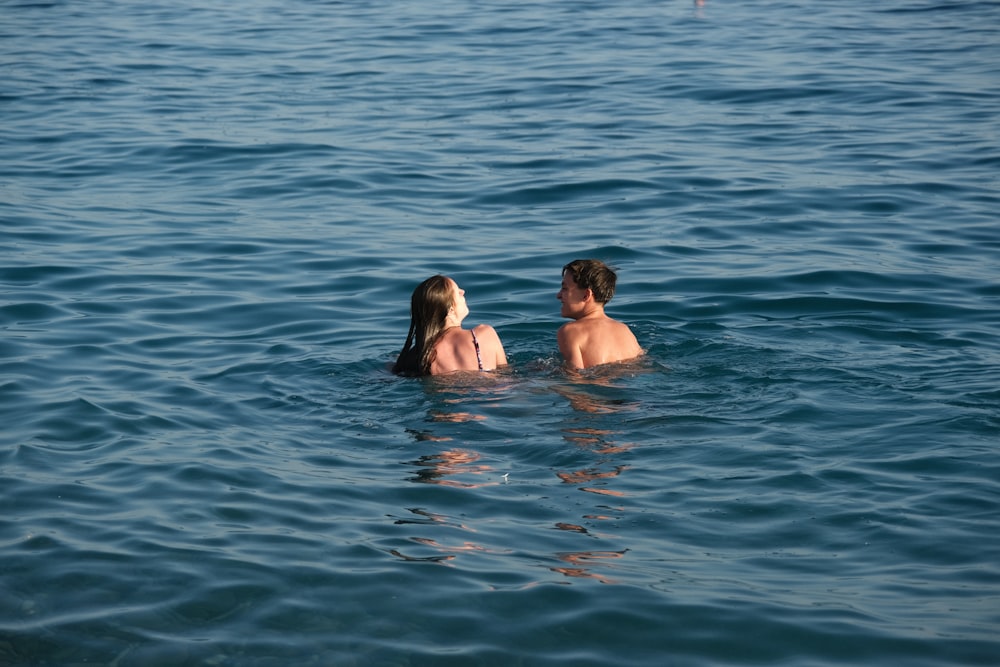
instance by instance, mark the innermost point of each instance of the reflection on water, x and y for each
(596, 440)
(459, 406)
(455, 390)
(444, 552)
(456, 417)
(587, 403)
(591, 474)
(437, 468)
(580, 560)
(593, 390)
(422, 559)
(447, 552)
(595, 395)
(426, 518)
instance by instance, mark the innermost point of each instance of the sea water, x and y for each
(212, 215)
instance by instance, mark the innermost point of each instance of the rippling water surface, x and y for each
(211, 218)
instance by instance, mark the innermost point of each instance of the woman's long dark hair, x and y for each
(429, 307)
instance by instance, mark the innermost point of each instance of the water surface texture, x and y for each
(212, 215)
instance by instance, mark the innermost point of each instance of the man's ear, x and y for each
(589, 296)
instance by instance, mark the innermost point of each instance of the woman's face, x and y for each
(461, 308)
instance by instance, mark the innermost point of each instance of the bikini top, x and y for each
(479, 356)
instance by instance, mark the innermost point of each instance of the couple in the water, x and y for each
(437, 343)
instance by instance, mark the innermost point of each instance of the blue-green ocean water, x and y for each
(211, 218)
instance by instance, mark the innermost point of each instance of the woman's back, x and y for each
(460, 349)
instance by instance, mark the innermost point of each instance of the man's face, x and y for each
(572, 297)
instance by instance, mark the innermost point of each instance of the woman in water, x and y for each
(437, 343)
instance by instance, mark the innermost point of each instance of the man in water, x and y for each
(592, 338)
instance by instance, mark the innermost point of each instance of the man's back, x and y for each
(595, 340)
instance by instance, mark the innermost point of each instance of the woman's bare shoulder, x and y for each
(485, 330)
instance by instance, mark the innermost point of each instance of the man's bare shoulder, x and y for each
(574, 329)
